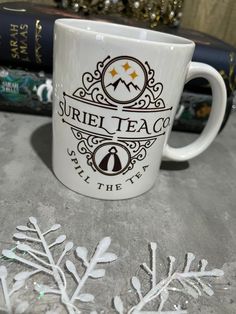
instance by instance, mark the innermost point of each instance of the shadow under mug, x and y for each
(116, 92)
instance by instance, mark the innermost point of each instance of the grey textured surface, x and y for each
(191, 208)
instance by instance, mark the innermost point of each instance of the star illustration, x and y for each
(126, 66)
(113, 72)
(133, 75)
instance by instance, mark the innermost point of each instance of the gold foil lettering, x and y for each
(14, 28)
(13, 43)
(23, 49)
(38, 47)
(19, 42)
(14, 53)
(24, 27)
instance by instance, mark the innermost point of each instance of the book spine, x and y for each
(224, 61)
(26, 39)
(218, 58)
(212, 51)
(25, 91)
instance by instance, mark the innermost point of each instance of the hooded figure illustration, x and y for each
(111, 159)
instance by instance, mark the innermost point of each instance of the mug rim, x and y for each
(165, 39)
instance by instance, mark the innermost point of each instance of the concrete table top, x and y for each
(192, 208)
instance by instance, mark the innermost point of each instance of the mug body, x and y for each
(116, 91)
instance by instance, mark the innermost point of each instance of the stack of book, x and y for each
(26, 44)
(26, 50)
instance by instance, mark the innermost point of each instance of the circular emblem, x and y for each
(111, 158)
(124, 79)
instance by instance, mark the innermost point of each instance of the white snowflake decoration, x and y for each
(42, 260)
(189, 282)
(21, 306)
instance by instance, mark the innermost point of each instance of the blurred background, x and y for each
(26, 47)
(215, 17)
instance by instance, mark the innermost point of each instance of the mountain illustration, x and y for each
(120, 81)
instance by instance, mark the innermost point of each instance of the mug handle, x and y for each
(216, 117)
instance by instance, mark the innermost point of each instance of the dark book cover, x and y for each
(214, 52)
(26, 33)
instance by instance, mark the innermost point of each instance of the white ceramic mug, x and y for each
(116, 92)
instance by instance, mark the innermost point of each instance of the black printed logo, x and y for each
(116, 115)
